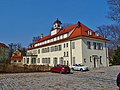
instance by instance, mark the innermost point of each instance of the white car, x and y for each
(79, 67)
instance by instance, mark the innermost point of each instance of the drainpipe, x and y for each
(106, 54)
(70, 52)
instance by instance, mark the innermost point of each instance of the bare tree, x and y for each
(16, 46)
(111, 32)
(114, 7)
(35, 39)
(65, 25)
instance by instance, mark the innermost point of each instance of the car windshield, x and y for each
(79, 65)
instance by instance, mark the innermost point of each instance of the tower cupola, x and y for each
(57, 24)
(56, 27)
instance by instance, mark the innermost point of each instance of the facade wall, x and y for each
(88, 54)
(74, 51)
(62, 51)
(16, 61)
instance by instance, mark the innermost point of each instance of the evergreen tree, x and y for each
(116, 57)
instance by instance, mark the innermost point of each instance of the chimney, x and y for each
(79, 24)
(41, 36)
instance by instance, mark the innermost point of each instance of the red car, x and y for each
(60, 69)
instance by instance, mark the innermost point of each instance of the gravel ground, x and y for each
(97, 79)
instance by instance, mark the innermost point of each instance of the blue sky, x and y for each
(20, 20)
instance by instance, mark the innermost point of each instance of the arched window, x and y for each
(67, 62)
(55, 61)
(61, 60)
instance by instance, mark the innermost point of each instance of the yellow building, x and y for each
(17, 57)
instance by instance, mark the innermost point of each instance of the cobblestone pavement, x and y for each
(97, 79)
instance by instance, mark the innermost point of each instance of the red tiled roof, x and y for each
(17, 58)
(78, 31)
(3, 45)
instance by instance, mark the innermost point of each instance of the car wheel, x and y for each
(72, 68)
(81, 70)
(51, 71)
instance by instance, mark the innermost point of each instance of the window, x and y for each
(43, 50)
(88, 45)
(27, 60)
(67, 54)
(94, 45)
(43, 60)
(38, 51)
(55, 39)
(24, 60)
(33, 61)
(100, 46)
(61, 37)
(19, 61)
(67, 62)
(90, 59)
(58, 25)
(52, 49)
(38, 60)
(15, 61)
(97, 34)
(59, 48)
(48, 49)
(89, 32)
(66, 35)
(35, 52)
(66, 44)
(58, 38)
(48, 61)
(64, 54)
(100, 59)
(56, 49)
(84, 60)
(55, 60)
(61, 60)
(64, 62)
(73, 45)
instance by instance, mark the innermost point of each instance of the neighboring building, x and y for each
(4, 52)
(76, 44)
(17, 57)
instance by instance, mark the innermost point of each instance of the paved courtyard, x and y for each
(97, 79)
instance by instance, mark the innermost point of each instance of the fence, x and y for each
(12, 68)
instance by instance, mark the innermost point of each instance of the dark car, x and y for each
(118, 80)
(60, 69)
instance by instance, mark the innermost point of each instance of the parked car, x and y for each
(79, 67)
(118, 80)
(60, 69)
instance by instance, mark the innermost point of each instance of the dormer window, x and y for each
(89, 33)
(97, 34)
